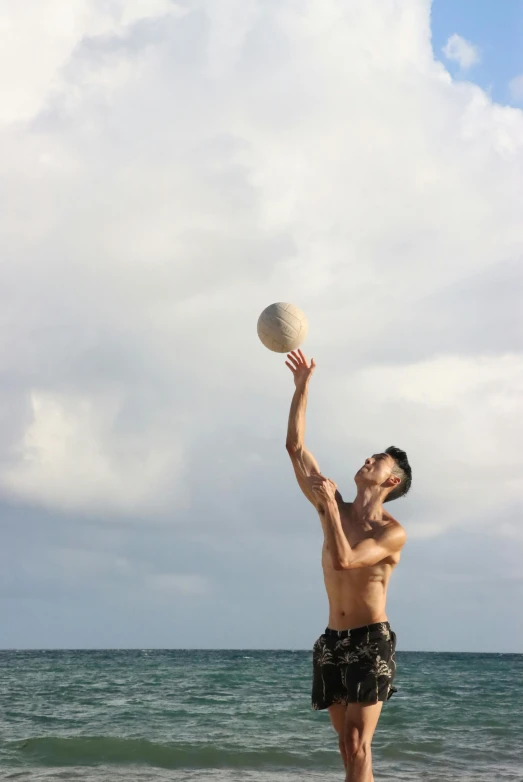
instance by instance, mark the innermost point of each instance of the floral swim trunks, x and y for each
(354, 666)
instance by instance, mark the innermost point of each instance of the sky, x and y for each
(167, 170)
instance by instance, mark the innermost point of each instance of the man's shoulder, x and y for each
(391, 520)
(393, 532)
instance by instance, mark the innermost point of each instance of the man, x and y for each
(353, 661)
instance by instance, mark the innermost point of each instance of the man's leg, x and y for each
(360, 723)
(337, 715)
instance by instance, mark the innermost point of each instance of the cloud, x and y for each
(187, 585)
(516, 88)
(39, 45)
(48, 571)
(169, 175)
(76, 455)
(457, 414)
(150, 237)
(461, 51)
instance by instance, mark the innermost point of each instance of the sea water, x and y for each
(99, 716)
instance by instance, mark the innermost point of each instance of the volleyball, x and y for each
(282, 327)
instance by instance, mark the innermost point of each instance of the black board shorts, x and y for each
(354, 666)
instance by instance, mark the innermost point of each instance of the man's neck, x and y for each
(368, 504)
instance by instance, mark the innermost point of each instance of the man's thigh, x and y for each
(360, 722)
(337, 716)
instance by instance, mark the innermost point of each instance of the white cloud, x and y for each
(75, 456)
(461, 51)
(516, 88)
(458, 418)
(186, 170)
(39, 38)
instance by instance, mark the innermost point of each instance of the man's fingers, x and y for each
(298, 359)
(288, 364)
(303, 359)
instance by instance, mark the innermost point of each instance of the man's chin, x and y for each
(360, 479)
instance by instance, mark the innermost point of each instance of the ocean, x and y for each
(224, 716)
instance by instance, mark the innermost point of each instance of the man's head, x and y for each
(390, 470)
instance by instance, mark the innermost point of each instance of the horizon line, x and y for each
(218, 649)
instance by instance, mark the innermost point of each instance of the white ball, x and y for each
(282, 327)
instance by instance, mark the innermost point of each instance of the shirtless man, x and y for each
(354, 660)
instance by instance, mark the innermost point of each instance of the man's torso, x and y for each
(358, 596)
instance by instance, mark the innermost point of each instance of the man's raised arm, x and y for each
(303, 461)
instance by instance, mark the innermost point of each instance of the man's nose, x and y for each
(368, 461)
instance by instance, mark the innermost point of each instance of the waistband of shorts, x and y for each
(357, 632)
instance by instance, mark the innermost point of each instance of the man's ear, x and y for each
(392, 480)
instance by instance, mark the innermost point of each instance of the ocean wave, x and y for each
(98, 750)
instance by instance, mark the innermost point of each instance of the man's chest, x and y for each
(357, 532)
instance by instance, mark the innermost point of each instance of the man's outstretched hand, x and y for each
(300, 368)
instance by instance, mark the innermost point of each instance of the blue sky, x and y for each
(496, 28)
(170, 169)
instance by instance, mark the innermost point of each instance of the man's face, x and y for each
(376, 470)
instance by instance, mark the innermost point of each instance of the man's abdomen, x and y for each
(357, 597)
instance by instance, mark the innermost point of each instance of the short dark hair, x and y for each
(403, 470)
